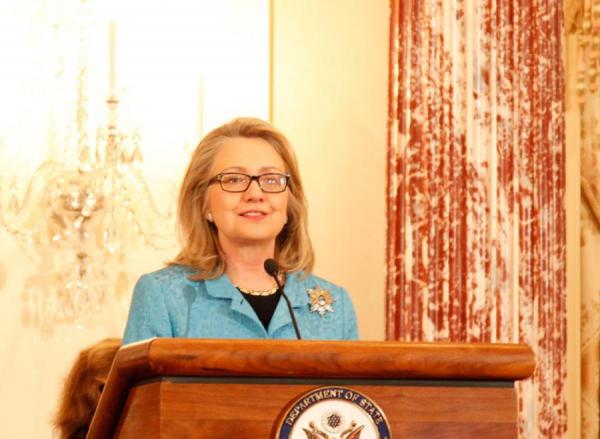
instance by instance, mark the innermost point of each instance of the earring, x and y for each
(209, 217)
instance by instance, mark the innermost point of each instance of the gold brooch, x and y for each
(320, 300)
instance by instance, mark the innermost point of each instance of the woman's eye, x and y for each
(233, 179)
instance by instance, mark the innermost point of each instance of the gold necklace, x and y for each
(259, 292)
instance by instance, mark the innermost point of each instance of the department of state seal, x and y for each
(333, 413)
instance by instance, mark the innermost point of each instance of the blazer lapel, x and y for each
(222, 288)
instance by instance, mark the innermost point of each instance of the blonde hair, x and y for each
(200, 245)
(83, 387)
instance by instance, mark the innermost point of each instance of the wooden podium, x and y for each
(195, 388)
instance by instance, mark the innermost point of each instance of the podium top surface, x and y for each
(324, 359)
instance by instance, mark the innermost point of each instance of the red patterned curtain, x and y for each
(476, 179)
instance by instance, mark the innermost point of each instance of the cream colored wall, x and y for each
(330, 99)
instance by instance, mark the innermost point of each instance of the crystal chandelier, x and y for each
(79, 219)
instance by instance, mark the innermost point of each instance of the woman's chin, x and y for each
(253, 239)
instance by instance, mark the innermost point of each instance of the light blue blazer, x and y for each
(166, 303)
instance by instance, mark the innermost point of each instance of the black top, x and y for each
(264, 306)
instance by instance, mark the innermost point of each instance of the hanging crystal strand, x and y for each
(13, 207)
(75, 193)
(111, 238)
(137, 160)
(81, 114)
(113, 143)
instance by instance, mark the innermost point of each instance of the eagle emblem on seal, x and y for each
(352, 432)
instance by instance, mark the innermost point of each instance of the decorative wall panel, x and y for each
(476, 224)
(582, 24)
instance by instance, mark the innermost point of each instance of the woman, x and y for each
(83, 387)
(241, 203)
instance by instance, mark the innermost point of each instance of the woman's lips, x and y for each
(253, 214)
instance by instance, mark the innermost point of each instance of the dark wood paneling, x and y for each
(252, 411)
(141, 412)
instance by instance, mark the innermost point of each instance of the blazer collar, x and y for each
(221, 287)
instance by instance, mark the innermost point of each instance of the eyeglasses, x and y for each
(237, 182)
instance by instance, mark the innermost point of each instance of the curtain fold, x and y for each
(476, 223)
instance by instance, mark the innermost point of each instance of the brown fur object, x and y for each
(83, 387)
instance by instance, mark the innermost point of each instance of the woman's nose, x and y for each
(254, 191)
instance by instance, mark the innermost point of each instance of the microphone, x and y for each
(272, 269)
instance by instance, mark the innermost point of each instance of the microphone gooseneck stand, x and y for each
(272, 269)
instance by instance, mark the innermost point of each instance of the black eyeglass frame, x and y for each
(218, 178)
